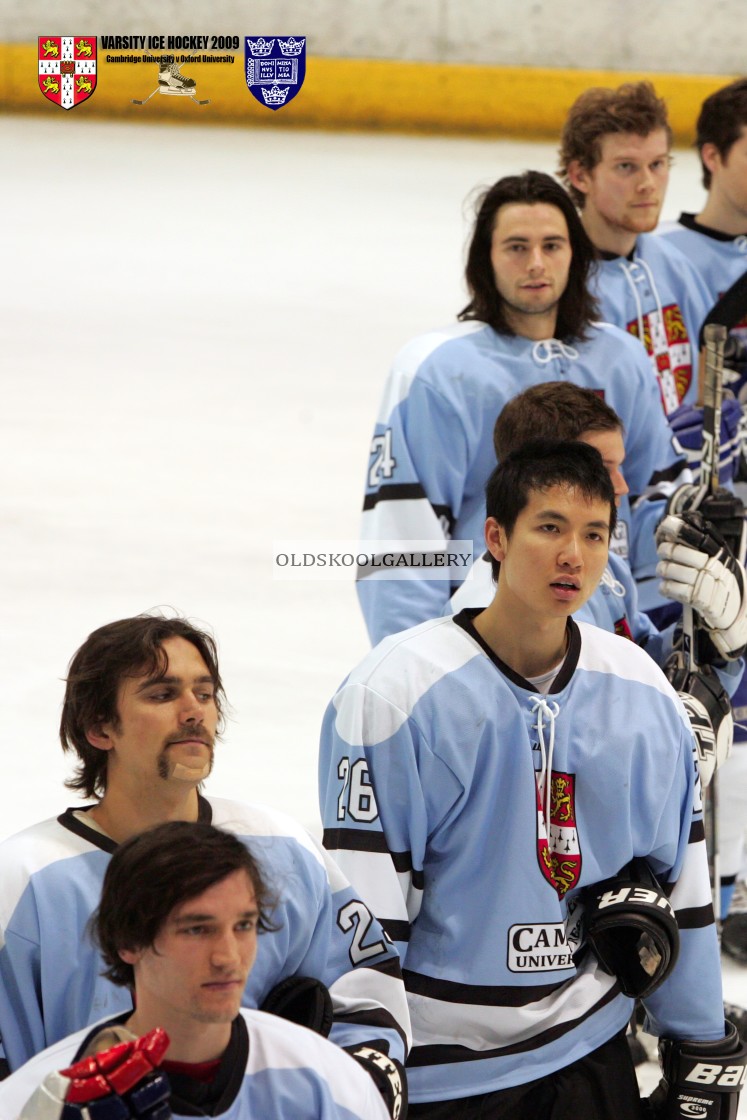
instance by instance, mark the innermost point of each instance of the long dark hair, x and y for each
(577, 308)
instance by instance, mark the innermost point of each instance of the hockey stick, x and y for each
(715, 337)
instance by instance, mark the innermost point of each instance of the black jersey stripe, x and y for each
(374, 1018)
(697, 832)
(394, 492)
(695, 917)
(437, 1055)
(356, 840)
(398, 931)
(480, 995)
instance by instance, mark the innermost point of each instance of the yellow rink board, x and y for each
(358, 94)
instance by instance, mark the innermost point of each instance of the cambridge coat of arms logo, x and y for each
(558, 849)
(67, 68)
(275, 68)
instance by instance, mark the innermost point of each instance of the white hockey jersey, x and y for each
(432, 450)
(657, 295)
(470, 811)
(272, 1069)
(50, 972)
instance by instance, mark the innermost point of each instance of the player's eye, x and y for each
(247, 926)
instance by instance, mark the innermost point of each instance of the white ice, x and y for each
(196, 328)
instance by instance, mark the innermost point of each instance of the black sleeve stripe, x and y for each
(378, 1018)
(354, 840)
(669, 474)
(695, 917)
(442, 1055)
(388, 967)
(479, 995)
(697, 832)
(398, 931)
(395, 492)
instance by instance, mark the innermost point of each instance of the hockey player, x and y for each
(530, 319)
(181, 909)
(143, 703)
(561, 410)
(715, 241)
(614, 159)
(482, 774)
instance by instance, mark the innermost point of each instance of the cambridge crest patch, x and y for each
(67, 68)
(559, 853)
(275, 68)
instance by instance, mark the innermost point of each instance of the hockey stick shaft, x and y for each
(715, 338)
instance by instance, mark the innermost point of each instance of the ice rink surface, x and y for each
(196, 329)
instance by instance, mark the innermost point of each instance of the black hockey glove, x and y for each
(709, 710)
(388, 1075)
(629, 925)
(698, 569)
(302, 1000)
(700, 1079)
(121, 1083)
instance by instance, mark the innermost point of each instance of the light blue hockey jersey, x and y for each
(470, 811)
(50, 982)
(658, 296)
(272, 1069)
(720, 259)
(432, 450)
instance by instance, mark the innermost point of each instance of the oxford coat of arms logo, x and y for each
(275, 68)
(67, 68)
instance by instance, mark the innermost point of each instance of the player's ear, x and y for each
(496, 539)
(711, 156)
(130, 956)
(98, 736)
(578, 176)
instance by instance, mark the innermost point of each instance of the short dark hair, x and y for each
(157, 870)
(538, 465)
(551, 410)
(120, 649)
(577, 307)
(598, 112)
(722, 117)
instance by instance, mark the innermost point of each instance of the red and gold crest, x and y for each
(558, 849)
(67, 68)
(666, 340)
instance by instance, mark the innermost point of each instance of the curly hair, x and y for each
(599, 111)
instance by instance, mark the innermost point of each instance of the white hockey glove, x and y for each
(121, 1083)
(700, 1079)
(698, 569)
(709, 710)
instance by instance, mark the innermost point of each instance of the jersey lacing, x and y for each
(630, 272)
(546, 710)
(548, 348)
(741, 243)
(635, 272)
(608, 580)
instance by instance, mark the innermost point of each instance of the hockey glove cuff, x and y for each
(700, 1079)
(708, 708)
(302, 1000)
(388, 1075)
